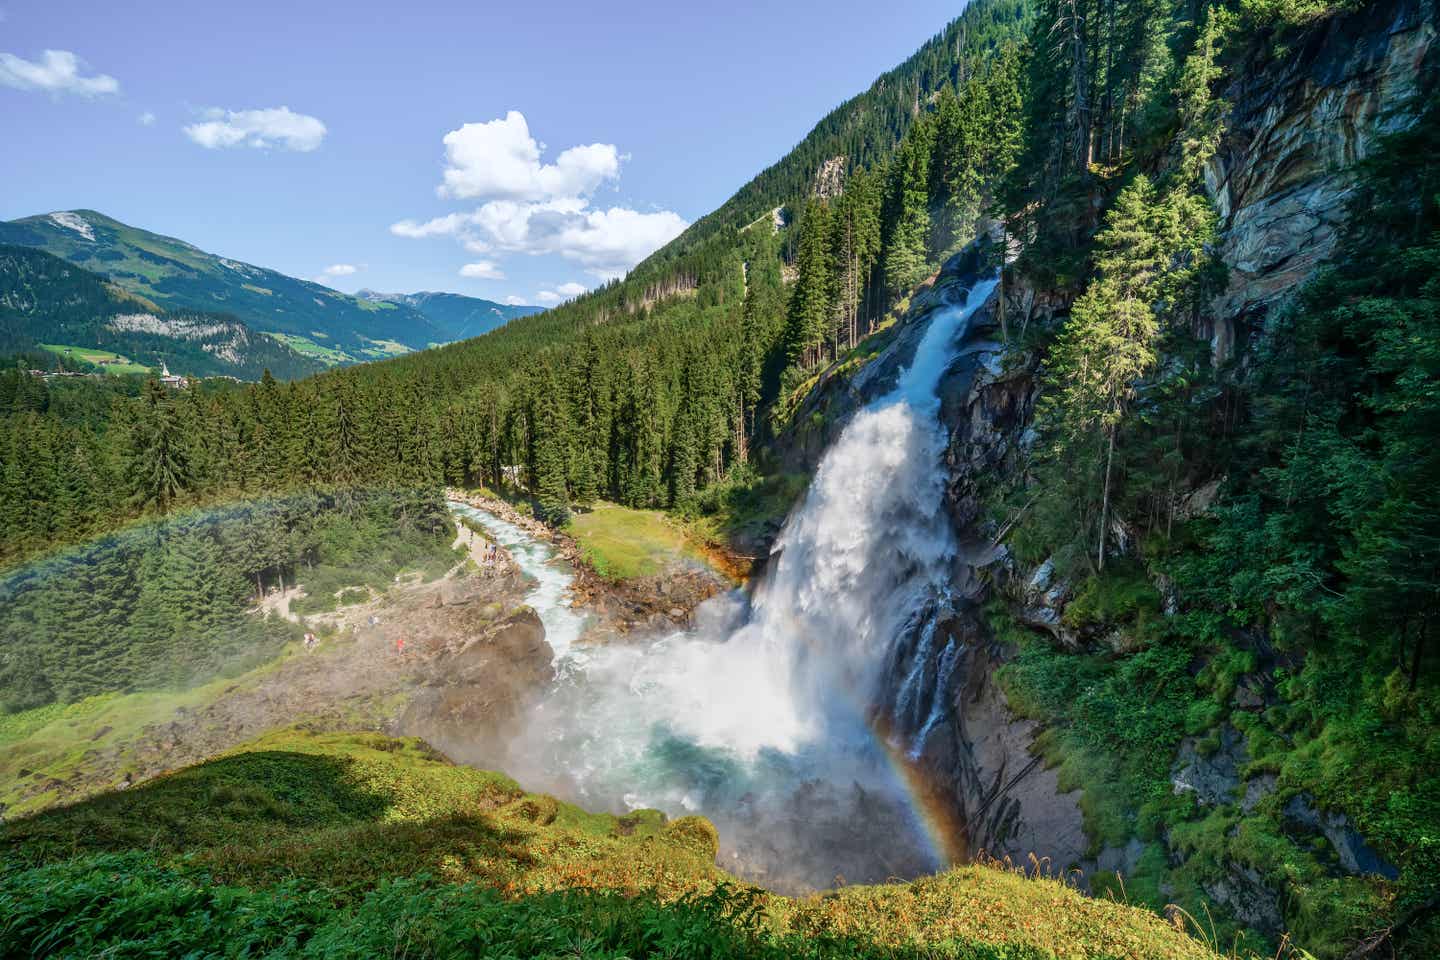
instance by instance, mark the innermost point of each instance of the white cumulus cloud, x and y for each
(514, 301)
(610, 242)
(565, 291)
(272, 127)
(531, 207)
(147, 119)
(56, 72)
(482, 270)
(448, 225)
(500, 160)
(334, 271)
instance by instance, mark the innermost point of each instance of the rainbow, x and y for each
(940, 819)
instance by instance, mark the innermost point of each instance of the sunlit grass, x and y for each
(107, 361)
(54, 742)
(307, 347)
(624, 543)
(341, 822)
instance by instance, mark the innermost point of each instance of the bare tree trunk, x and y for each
(1080, 87)
(1000, 303)
(1109, 119)
(742, 444)
(1105, 503)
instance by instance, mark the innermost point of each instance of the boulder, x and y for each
(1243, 893)
(1214, 778)
(1355, 854)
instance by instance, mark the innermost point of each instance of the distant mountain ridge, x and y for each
(47, 303)
(463, 317)
(175, 275)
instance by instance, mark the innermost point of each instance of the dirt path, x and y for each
(278, 601)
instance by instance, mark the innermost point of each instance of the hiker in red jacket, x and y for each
(400, 646)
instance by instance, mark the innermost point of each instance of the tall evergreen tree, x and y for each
(160, 470)
(811, 301)
(908, 216)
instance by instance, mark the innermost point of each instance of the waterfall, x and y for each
(865, 553)
(760, 717)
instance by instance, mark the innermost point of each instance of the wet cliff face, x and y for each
(1282, 175)
(1280, 183)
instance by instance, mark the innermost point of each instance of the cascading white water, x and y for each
(758, 717)
(548, 597)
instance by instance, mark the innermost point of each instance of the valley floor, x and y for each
(416, 658)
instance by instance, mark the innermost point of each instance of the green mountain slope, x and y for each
(178, 276)
(864, 130)
(460, 316)
(45, 300)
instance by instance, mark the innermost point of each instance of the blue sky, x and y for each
(517, 150)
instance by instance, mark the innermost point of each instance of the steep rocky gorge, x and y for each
(1298, 119)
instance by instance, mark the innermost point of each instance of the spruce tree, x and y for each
(812, 298)
(159, 467)
(909, 214)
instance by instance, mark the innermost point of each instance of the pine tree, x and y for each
(1149, 253)
(909, 213)
(856, 246)
(812, 298)
(159, 467)
(550, 453)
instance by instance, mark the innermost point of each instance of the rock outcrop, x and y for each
(474, 689)
(1284, 172)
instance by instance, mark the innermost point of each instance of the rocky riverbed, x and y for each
(615, 607)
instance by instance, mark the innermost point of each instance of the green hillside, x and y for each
(80, 318)
(340, 845)
(178, 276)
(864, 130)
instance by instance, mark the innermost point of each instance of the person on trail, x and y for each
(400, 645)
(310, 641)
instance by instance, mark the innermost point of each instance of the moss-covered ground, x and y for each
(349, 845)
(1115, 716)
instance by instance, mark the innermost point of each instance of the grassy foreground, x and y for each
(351, 845)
